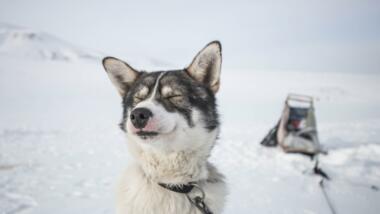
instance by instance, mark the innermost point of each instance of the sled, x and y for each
(296, 131)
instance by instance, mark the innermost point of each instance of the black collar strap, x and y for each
(197, 201)
(181, 188)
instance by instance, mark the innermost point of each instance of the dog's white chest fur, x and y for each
(139, 194)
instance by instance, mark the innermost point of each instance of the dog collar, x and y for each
(197, 201)
(182, 188)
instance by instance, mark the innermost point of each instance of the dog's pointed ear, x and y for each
(121, 74)
(206, 66)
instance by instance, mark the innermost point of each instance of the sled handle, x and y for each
(300, 98)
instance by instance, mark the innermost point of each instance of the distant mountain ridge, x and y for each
(23, 42)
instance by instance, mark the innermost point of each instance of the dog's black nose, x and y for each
(140, 117)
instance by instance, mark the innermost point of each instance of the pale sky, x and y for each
(308, 35)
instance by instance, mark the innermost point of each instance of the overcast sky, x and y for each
(288, 35)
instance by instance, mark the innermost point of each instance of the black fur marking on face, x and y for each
(193, 95)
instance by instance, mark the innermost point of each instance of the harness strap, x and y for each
(328, 200)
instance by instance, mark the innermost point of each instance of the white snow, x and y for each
(61, 150)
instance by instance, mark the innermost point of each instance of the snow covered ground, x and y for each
(61, 150)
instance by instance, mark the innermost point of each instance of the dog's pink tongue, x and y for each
(150, 126)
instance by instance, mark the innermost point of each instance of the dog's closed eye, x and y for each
(171, 94)
(174, 96)
(138, 99)
(141, 94)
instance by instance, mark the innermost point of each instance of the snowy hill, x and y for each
(23, 42)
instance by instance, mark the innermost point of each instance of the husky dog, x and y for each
(171, 124)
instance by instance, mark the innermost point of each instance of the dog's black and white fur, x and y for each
(171, 123)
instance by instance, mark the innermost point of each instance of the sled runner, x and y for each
(296, 131)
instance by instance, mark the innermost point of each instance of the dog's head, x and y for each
(171, 110)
